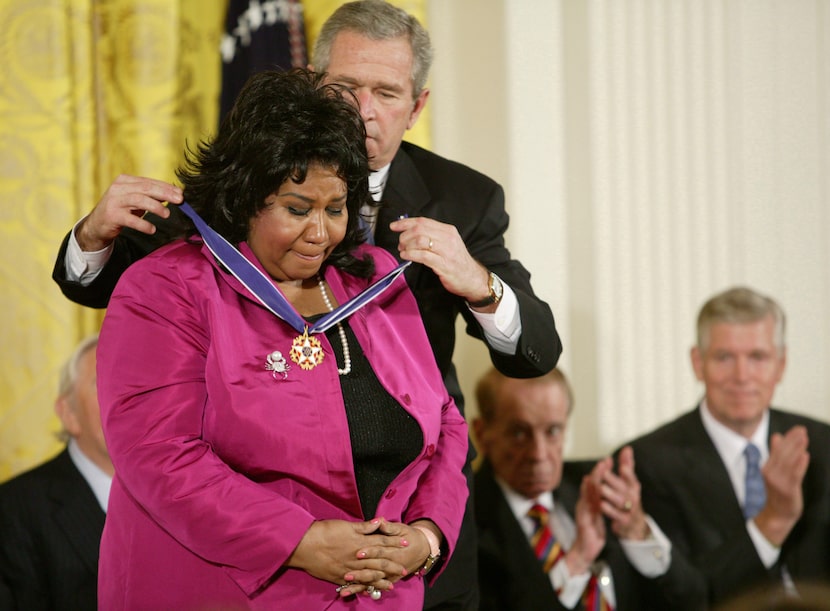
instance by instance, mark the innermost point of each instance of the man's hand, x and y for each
(122, 205)
(590, 527)
(440, 247)
(621, 501)
(783, 474)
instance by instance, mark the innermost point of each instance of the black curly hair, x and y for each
(281, 123)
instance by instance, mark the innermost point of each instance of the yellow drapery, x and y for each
(89, 89)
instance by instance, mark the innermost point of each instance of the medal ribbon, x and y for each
(261, 287)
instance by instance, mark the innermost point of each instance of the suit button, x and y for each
(430, 449)
(406, 399)
(390, 493)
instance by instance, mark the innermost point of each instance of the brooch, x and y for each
(277, 365)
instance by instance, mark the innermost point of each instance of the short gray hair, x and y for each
(739, 305)
(377, 20)
(69, 372)
(68, 380)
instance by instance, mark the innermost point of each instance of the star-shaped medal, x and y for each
(306, 351)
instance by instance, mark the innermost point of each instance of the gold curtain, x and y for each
(89, 89)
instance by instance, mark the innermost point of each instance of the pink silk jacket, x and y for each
(221, 468)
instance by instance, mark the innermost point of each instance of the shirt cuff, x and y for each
(83, 267)
(568, 588)
(502, 328)
(767, 552)
(651, 556)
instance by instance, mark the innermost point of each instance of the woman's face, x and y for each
(301, 225)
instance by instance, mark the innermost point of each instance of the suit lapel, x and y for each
(76, 512)
(504, 544)
(706, 479)
(405, 194)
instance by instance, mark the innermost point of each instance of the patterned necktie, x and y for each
(592, 598)
(544, 544)
(756, 494)
(548, 551)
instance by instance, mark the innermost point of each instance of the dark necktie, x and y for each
(756, 494)
(366, 227)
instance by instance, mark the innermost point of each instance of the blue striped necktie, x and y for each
(756, 494)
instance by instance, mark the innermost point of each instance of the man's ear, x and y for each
(67, 416)
(417, 107)
(697, 362)
(480, 433)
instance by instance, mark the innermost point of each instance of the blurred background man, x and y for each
(732, 482)
(543, 540)
(51, 517)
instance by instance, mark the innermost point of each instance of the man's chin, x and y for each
(535, 488)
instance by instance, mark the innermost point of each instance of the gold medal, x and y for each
(307, 351)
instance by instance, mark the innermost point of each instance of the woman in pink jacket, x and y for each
(269, 455)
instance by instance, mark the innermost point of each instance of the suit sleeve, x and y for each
(128, 247)
(23, 583)
(539, 345)
(168, 468)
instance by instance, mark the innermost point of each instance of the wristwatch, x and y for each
(428, 564)
(434, 551)
(496, 291)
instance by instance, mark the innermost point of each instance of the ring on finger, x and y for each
(429, 246)
(344, 586)
(375, 594)
(627, 505)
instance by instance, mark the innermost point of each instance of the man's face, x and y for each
(524, 441)
(379, 72)
(740, 367)
(81, 414)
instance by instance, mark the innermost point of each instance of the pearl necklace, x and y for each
(346, 356)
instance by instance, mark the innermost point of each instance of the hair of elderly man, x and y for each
(739, 305)
(68, 380)
(377, 20)
(490, 384)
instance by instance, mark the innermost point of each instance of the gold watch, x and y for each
(496, 291)
(430, 562)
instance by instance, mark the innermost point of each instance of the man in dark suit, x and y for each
(453, 227)
(735, 527)
(51, 517)
(520, 432)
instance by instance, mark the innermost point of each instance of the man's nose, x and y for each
(537, 447)
(742, 368)
(367, 104)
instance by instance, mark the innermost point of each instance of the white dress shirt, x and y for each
(651, 557)
(730, 446)
(99, 481)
